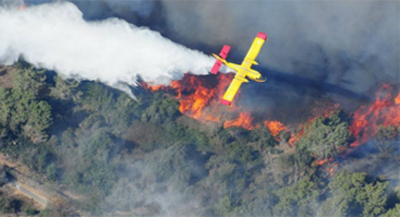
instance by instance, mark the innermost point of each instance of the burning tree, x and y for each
(384, 111)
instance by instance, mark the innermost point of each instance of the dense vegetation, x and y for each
(145, 158)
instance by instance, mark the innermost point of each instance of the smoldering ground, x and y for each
(376, 158)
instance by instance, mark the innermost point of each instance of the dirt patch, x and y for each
(143, 133)
(6, 76)
(73, 195)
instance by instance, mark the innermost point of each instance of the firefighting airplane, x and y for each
(243, 71)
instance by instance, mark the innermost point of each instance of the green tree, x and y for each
(63, 89)
(224, 207)
(5, 106)
(28, 80)
(51, 172)
(392, 212)
(162, 110)
(386, 138)
(39, 120)
(297, 199)
(21, 108)
(373, 198)
(353, 194)
(325, 136)
(287, 169)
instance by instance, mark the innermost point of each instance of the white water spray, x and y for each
(54, 36)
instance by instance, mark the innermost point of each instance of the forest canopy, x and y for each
(143, 157)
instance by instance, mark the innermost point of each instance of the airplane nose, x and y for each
(262, 35)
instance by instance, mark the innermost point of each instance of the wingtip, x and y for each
(262, 35)
(226, 102)
(262, 79)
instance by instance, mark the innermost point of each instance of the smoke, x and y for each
(54, 36)
(300, 33)
(376, 158)
(343, 50)
(11, 3)
(336, 49)
(130, 10)
(140, 7)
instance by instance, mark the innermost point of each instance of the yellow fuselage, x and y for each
(244, 70)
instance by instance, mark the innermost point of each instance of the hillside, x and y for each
(117, 156)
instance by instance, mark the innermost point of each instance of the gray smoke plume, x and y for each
(337, 50)
(343, 50)
(340, 49)
(300, 34)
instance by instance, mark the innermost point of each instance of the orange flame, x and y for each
(294, 138)
(330, 167)
(331, 170)
(199, 98)
(275, 127)
(196, 93)
(397, 99)
(383, 111)
(153, 88)
(321, 162)
(199, 94)
(244, 120)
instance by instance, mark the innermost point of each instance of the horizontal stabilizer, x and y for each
(215, 68)
(223, 54)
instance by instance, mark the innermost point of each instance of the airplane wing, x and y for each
(255, 48)
(233, 89)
